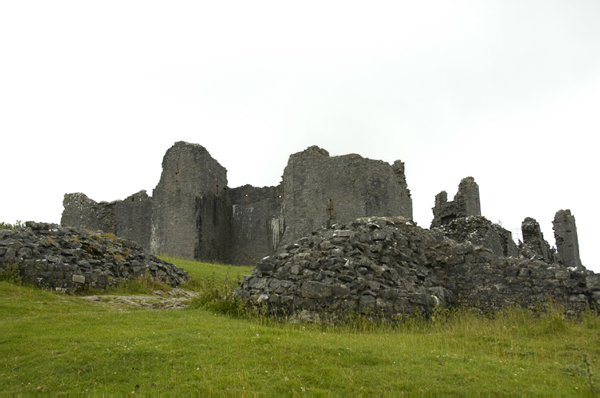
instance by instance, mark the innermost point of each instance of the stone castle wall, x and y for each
(194, 214)
(322, 190)
(257, 222)
(466, 203)
(187, 217)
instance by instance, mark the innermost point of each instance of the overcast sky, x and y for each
(92, 94)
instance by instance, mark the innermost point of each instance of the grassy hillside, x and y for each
(55, 343)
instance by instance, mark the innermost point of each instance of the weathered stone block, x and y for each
(316, 290)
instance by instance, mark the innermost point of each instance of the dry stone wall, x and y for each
(65, 259)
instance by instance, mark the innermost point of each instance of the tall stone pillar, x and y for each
(565, 233)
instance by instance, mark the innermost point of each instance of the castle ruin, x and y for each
(194, 214)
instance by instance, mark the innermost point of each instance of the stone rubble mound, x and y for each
(65, 259)
(389, 268)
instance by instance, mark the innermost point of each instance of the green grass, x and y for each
(63, 344)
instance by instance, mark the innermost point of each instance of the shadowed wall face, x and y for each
(256, 223)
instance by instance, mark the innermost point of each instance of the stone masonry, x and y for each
(565, 233)
(321, 190)
(465, 203)
(387, 268)
(194, 214)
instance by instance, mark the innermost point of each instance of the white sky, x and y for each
(92, 94)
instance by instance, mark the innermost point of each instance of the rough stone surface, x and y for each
(257, 223)
(481, 231)
(465, 203)
(193, 214)
(565, 233)
(65, 259)
(321, 190)
(129, 218)
(388, 268)
(190, 217)
(533, 240)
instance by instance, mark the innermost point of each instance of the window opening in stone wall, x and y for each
(177, 172)
(217, 189)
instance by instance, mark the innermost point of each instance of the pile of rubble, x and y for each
(389, 268)
(66, 259)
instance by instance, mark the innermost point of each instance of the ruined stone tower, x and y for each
(565, 233)
(190, 217)
(321, 190)
(193, 214)
(465, 203)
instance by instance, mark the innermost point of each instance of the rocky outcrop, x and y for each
(389, 268)
(65, 259)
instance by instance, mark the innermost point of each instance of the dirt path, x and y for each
(174, 299)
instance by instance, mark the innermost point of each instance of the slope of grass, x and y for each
(56, 343)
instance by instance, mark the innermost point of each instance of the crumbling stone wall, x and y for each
(321, 190)
(128, 218)
(193, 214)
(81, 210)
(533, 241)
(480, 231)
(65, 259)
(565, 233)
(388, 268)
(465, 203)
